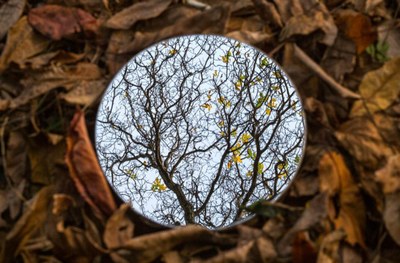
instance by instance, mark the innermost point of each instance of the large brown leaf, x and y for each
(57, 22)
(85, 169)
(378, 89)
(138, 11)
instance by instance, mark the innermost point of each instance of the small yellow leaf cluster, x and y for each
(215, 73)
(172, 52)
(268, 111)
(246, 137)
(158, 186)
(272, 103)
(207, 106)
(224, 101)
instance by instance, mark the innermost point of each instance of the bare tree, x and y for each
(195, 128)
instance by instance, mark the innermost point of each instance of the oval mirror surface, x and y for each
(195, 128)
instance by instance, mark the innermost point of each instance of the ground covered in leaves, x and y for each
(56, 59)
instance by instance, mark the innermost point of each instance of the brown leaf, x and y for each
(136, 12)
(10, 11)
(329, 248)
(316, 18)
(389, 175)
(303, 248)
(268, 12)
(17, 158)
(22, 43)
(85, 169)
(57, 22)
(119, 228)
(41, 82)
(340, 58)
(389, 33)
(249, 37)
(30, 221)
(149, 247)
(379, 89)
(211, 21)
(43, 159)
(314, 215)
(86, 93)
(336, 180)
(358, 28)
(391, 215)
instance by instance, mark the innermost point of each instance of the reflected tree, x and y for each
(194, 129)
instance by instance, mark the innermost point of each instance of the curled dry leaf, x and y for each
(119, 228)
(329, 248)
(378, 89)
(317, 18)
(57, 22)
(33, 218)
(10, 11)
(149, 247)
(85, 169)
(211, 21)
(389, 177)
(136, 12)
(268, 12)
(22, 43)
(337, 181)
(16, 158)
(77, 77)
(362, 137)
(249, 37)
(358, 28)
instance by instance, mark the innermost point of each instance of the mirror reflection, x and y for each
(195, 128)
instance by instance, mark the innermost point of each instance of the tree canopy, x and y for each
(194, 129)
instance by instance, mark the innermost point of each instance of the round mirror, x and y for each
(195, 128)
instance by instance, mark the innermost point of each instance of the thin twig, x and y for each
(343, 91)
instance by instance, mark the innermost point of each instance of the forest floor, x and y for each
(57, 57)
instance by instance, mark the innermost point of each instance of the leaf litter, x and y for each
(341, 55)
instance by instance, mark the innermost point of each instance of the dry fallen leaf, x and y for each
(56, 21)
(22, 43)
(85, 169)
(28, 223)
(337, 182)
(358, 28)
(10, 11)
(316, 18)
(378, 89)
(389, 177)
(136, 12)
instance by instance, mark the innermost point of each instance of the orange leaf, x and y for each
(337, 181)
(85, 169)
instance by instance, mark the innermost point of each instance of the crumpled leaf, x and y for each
(57, 22)
(43, 81)
(340, 58)
(86, 93)
(10, 11)
(329, 248)
(22, 43)
(17, 158)
(363, 139)
(147, 248)
(136, 12)
(316, 18)
(28, 223)
(119, 228)
(389, 177)
(249, 37)
(211, 21)
(358, 28)
(268, 12)
(337, 181)
(85, 169)
(379, 89)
